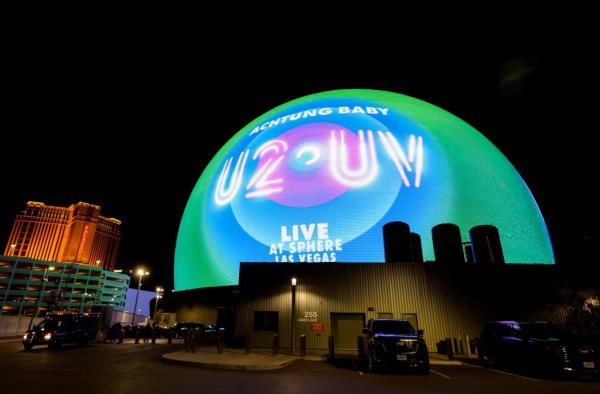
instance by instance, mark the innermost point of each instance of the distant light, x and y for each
(293, 281)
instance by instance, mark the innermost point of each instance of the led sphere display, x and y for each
(315, 179)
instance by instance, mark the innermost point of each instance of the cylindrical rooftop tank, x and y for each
(447, 244)
(416, 248)
(396, 242)
(485, 241)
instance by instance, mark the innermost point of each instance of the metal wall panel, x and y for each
(448, 301)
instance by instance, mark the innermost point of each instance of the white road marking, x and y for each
(440, 374)
(515, 375)
(503, 372)
(357, 369)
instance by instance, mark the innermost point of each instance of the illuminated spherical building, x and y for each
(315, 179)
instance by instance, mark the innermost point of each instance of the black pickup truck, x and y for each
(394, 342)
(57, 329)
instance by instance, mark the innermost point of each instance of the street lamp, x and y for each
(159, 295)
(293, 315)
(140, 272)
(39, 297)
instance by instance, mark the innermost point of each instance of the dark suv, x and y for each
(57, 329)
(394, 342)
(537, 346)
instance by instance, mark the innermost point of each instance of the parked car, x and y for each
(181, 329)
(539, 347)
(394, 342)
(57, 329)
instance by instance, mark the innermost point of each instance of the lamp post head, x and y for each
(293, 281)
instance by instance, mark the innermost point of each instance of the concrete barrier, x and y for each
(11, 326)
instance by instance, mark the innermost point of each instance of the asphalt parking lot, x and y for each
(130, 368)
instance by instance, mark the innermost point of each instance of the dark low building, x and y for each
(446, 301)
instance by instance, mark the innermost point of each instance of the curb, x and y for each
(445, 362)
(239, 367)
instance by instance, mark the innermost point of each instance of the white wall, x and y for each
(15, 325)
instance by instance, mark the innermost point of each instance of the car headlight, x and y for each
(407, 345)
(48, 336)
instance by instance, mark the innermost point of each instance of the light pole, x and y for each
(159, 293)
(42, 286)
(293, 315)
(140, 272)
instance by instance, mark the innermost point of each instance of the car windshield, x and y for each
(49, 324)
(541, 330)
(392, 327)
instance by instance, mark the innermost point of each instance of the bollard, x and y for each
(137, 336)
(121, 335)
(331, 348)
(170, 336)
(467, 346)
(154, 336)
(221, 340)
(247, 344)
(303, 345)
(455, 347)
(275, 344)
(360, 341)
(188, 341)
(449, 351)
(195, 340)
(460, 348)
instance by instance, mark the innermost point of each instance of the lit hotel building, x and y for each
(77, 234)
(60, 259)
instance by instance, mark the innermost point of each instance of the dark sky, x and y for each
(129, 123)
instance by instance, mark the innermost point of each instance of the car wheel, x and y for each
(490, 361)
(423, 369)
(54, 345)
(28, 346)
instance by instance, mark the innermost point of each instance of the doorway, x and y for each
(412, 319)
(346, 328)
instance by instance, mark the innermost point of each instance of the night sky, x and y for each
(131, 123)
